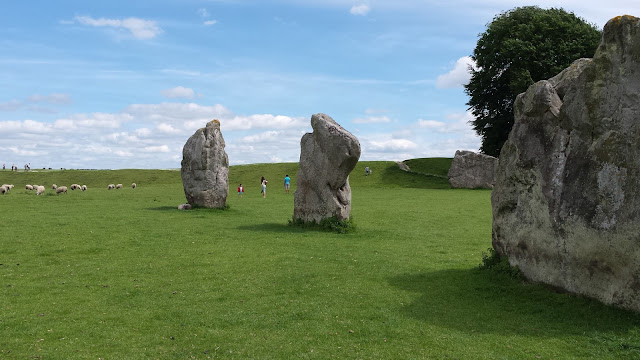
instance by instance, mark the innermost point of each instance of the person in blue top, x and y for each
(287, 182)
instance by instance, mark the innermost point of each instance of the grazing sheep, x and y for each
(61, 189)
(28, 187)
(84, 187)
(133, 186)
(54, 186)
(184, 207)
(75, 186)
(111, 186)
(39, 189)
(119, 186)
(7, 187)
(3, 190)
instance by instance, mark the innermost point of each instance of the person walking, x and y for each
(263, 183)
(287, 183)
(240, 190)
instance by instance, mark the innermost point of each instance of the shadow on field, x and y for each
(163, 208)
(478, 301)
(268, 227)
(394, 175)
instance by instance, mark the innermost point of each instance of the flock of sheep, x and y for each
(4, 189)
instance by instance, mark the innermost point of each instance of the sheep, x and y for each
(54, 186)
(133, 186)
(28, 187)
(84, 187)
(119, 186)
(7, 187)
(3, 190)
(61, 189)
(39, 190)
(75, 186)
(111, 186)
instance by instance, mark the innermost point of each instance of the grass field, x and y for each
(123, 274)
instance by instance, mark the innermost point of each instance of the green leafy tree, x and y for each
(519, 47)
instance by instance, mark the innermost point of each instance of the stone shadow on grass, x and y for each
(480, 301)
(270, 227)
(163, 208)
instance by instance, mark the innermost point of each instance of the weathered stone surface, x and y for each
(327, 156)
(205, 168)
(472, 170)
(566, 201)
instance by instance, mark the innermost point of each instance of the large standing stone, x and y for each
(566, 202)
(472, 170)
(327, 156)
(205, 168)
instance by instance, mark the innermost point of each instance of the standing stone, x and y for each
(205, 168)
(327, 156)
(472, 170)
(566, 201)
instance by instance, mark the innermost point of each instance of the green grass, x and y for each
(430, 166)
(123, 274)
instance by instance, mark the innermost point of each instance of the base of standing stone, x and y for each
(332, 224)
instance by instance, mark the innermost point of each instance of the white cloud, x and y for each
(361, 9)
(139, 28)
(53, 98)
(123, 153)
(372, 120)
(143, 132)
(261, 121)
(26, 126)
(210, 22)
(431, 124)
(178, 92)
(156, 149)
(458, 76)
(167, 129)
(262, 137)
(147, 136)
(11, 105)
(392, 145)
(455, 123)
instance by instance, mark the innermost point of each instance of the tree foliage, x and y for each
(519, 47)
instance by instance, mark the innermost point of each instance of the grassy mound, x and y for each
(430, 166)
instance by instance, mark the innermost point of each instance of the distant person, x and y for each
(240, 190)
(263, 183)
(3, 167)
(367, 171)
(287, 183)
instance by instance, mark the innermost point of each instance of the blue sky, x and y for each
(124, 84)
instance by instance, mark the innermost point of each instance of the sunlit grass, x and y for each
(123, 274)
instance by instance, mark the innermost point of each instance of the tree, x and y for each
(519, 47)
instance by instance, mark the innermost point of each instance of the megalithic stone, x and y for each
(205, 168)
(327, 156)
(566, 200)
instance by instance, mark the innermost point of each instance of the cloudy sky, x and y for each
(123, 84)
